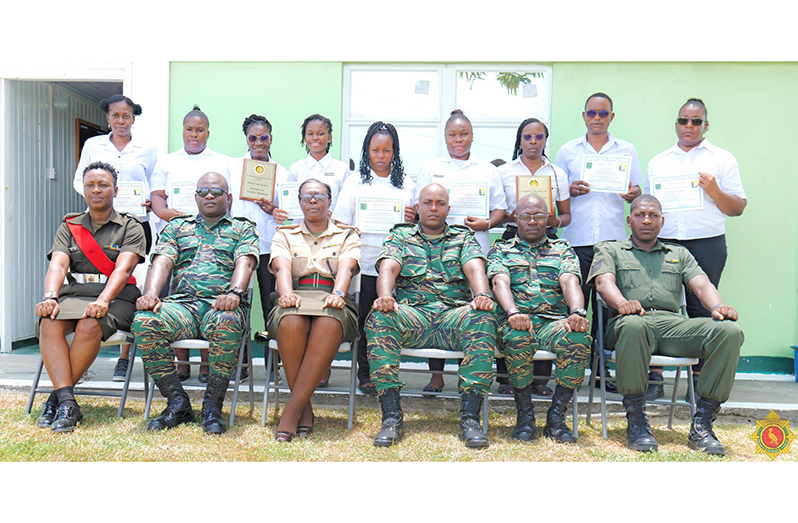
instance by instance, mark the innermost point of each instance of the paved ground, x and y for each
(753, 396)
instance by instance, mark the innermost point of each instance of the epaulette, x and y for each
(287, 227)
(350, 228)
(402, 225)
(245, 219)
(129, 215)
(73, 214)
(461, 228)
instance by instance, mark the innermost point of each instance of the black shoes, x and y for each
(525, 420)
(393, 426)
(556, 428)
(638, 431)
(470, 430)
(702, 437)
(655, 391)
(68, 417)
(212, 420)
(48, 415)
(178, 405)
(609, 386)
(120, 370)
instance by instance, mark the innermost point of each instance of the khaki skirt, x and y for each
(311, 305)
(119, 316)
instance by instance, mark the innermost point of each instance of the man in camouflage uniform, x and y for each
(536, 282)
(213, 257)
(435, 267)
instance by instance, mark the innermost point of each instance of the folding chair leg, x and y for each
(592, 385)
(251, 376)
(352, 387)
(691, 390)
(150, 392)
(673, 397)
(485, 413)
(128, 374)
(269, 362)
(575, 410)
(34, 385)
(236, 382)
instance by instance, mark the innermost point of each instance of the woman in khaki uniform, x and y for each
(95, 301)
(313, 263)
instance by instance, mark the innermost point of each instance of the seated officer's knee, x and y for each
(732, 331)
(88, 327)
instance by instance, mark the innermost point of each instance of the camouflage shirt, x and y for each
(204, 257)
(535, 272)
(432, 268)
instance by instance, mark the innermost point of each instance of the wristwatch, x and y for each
(238, 291)
(50, 295)
(338, 293)
(578, 312)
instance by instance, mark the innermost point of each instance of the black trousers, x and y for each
(368, 294)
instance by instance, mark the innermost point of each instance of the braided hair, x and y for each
(397, 169)
(699, 102)
(255, 119)
(323, 119)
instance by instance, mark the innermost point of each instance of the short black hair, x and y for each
(314, 180)
(106, 104)
(102, 166)
(598, 95)
(255, 119)
(699, 102)
(644, 198)
(196, 111)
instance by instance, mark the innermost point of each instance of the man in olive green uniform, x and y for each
(640, 279)
(435, 268)
(213, 257)
(536, 282)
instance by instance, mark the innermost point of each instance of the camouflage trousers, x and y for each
(572, 350)
(155, 333)
(460, 329)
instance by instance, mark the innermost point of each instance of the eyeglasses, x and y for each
(263, 138)
(319, 197)
(538, 217)
(601, 114)
(695, 121)
(538, 137)
(202, 192)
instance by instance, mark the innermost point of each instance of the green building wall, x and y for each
(751, 110)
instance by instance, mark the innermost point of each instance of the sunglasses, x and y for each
(538, 137)
(538, 217)
(202, 192)
(592, 114)
(319, 197)
(695, 121)
(263, 138)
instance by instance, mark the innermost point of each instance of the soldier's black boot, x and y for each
(556, 428)
(393, 425)
(638, 431)
(470, 429)
(525, 421)
(212, 420)
(178, 405)
(702, 437)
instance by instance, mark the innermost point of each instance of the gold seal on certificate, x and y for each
(678, 193)
(539, 185)
(130, 198)
(607, 173)
(468, 199)
(257, 180)
(378, 215)
(181, 197)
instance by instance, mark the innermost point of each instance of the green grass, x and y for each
(430, 437)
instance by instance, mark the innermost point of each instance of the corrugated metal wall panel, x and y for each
(38, 203)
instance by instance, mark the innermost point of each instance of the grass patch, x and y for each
(430, 437)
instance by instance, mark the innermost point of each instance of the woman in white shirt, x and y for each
(133, 160)
(187, 166)
(382, 176)
(317, 138)
(265, 213)
(460, 166)
(702, 231)
(529, 159)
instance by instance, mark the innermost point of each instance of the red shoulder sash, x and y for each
(89, 246)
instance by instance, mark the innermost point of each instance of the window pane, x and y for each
(491, 143)
(502, 95)
(417, 145)
(386, 95)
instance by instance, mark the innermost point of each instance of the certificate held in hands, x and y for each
(607, 173)
(678, 193)
(257, 180)
(538, 185)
